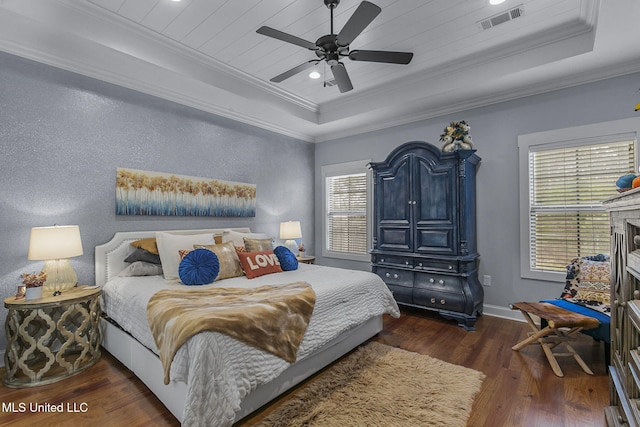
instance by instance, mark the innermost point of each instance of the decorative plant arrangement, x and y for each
(34, 280)
(456, 136)
(33, 283)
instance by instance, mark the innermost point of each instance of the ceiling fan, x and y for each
(332, 47)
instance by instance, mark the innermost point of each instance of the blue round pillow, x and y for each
(199, 267)
(625, 181)
(287, 259)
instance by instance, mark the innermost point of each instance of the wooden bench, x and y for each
(555, 333)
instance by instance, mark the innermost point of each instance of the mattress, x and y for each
(219, 370)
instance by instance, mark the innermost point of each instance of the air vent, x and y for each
(502, 17)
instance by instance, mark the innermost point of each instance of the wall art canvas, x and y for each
(154, 193)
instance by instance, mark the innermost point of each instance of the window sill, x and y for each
(347, 256)
(547, 276)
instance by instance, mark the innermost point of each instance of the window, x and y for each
(566, 186)
(346, 208)
(566, 180)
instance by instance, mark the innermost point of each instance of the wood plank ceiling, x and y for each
(437, 31)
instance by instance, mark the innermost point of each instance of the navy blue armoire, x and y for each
(424, 242)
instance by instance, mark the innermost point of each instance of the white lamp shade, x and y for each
(56, 245)
(290, 230)
(57, 242)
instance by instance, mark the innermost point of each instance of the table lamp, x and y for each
(290, 230)
(55, 245)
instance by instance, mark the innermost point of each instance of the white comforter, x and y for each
(219, 370)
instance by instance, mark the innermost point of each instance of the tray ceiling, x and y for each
(207, 54)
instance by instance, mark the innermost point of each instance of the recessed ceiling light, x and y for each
(314, 75)
(494, 2)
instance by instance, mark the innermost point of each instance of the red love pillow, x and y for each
(259, 263)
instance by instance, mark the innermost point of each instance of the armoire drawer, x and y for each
(393, 260)
(438, 282)
(451, 301)
(392, 276)
(432, 264)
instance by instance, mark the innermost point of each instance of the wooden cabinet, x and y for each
(424, 245)
(624, 372)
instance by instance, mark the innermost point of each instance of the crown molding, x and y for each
(432, 107)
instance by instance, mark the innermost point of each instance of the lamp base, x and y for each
(60, 275)
(292, 246)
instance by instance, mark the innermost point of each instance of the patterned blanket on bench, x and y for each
(587, 283)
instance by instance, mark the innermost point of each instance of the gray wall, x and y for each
(495, 131)
(62, 136)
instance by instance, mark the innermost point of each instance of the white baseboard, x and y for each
(503, 312)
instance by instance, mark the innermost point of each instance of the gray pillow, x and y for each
(142, 255)
(141, 268)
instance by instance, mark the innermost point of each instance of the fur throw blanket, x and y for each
(273, 318)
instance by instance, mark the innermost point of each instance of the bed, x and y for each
(216, 379)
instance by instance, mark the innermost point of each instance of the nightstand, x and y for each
(53, 337)
(306, 259)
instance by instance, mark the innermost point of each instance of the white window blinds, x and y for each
(347, 213)
(566, 187)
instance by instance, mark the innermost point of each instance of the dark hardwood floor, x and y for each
(520, 389)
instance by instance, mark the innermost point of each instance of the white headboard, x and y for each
(110, 256)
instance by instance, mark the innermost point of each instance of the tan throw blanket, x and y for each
(271, 318)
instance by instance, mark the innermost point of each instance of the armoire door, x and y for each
(394, 207)
(436, 198)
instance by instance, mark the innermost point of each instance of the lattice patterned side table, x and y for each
(53, 337)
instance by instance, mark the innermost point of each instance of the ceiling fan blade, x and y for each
(381, 56)
(342, 77)
(361, 18)
(277, 34)
(294, 71)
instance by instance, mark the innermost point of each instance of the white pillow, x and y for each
(169, 245)
(238, 238)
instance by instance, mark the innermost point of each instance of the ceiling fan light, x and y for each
(314, 75)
